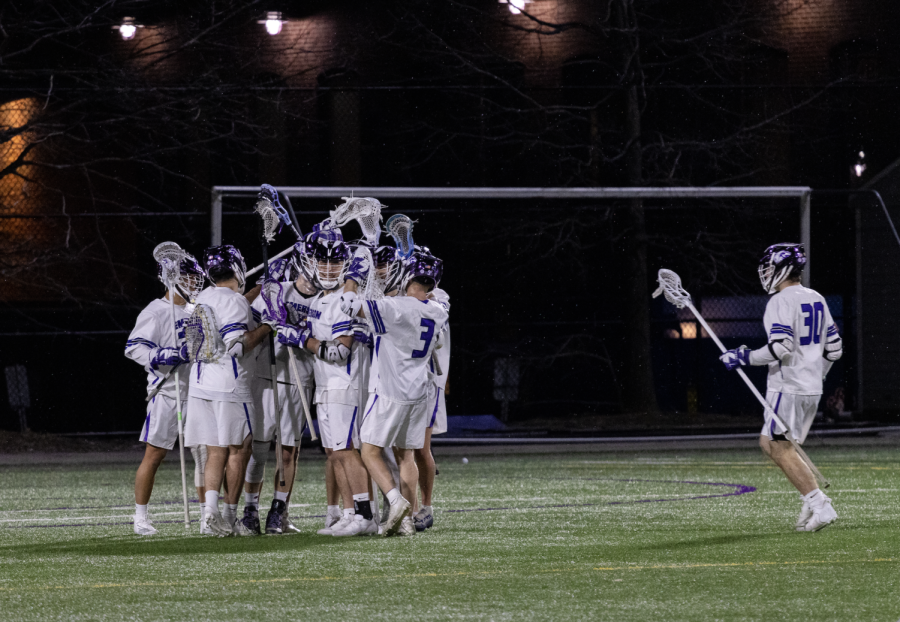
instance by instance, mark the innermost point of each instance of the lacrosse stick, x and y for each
(169, 255)
(271, 223)
(364, 210)
(273, 296)
(400, 227)
(670, 286)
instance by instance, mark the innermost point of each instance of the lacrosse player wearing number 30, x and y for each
(153, 344)
(803, 343)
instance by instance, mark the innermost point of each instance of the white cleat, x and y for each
(399, 511)
(357, 526)
(143, 526)
(331, 521)
(204, 530)
(217, 526)
(240, 529)
(821, 517)
(806, 513)
(407, 527)
(287, 525)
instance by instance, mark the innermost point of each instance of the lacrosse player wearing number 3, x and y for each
(803, 343)
(405, 327)
(154, 345)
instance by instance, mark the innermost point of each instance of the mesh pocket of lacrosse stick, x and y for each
(201, 334)
(400, 227)
(670, 286)
(373, 287)
(271, 220)
(273, 295)
(364, 210)
(169, 256)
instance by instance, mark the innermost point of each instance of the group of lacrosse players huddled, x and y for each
(359, 329)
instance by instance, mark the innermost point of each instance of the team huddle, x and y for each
(359, 329)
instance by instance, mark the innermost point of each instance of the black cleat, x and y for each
(251, 519)
(274, 522)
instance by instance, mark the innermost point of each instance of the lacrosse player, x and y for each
(803, 343)
(329, 335)
(219, 394)
(405, 327)
(154, 345)
(436, 416)
(298, 294)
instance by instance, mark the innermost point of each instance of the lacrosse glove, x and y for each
(168, 357)
(294, 336)
(739, 357)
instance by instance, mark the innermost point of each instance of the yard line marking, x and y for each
(481, 573)
(107, 516)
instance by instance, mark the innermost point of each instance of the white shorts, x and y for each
(338, 426)
(389, 424)
(218, 424)
(293, 419)
(797, 411)
(161, 425)
(436, 414)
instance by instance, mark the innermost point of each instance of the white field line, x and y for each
(106, 516)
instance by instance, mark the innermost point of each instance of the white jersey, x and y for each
(442, 354)
(405, 331)
(298, 305)
(154, 330)
(801, 315)
(227, 380)
(336, 383)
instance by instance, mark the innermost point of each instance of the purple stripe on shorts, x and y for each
(371, 407)
(147, 427)
(247, 414)
(437, 400)
(350, 434)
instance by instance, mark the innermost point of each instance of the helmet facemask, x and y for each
(323, 259)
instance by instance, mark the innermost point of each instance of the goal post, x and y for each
(800, 193)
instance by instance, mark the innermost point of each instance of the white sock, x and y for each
(230, 512)
(334, 510)
(251, 498)
(140, 510)
(427, 508)
(212, 502)
(394, 495)
(281, 496)
(349, 512)
(815, 499)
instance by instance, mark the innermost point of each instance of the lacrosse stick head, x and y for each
(780, 262)
(273, 295)
(424, 268)
(225, 262)
(178, 269)
(364, 210)
(400, 227)
(670, 287)
(201, 334)
(324, 257)
(281, 270)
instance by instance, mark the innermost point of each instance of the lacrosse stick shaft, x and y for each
(290, 210)
(292, 358)
(265, 264)
(187, 515)
(789, 434)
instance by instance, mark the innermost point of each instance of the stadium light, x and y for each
(273, 22)
(860, 167)
(515, 6)
(128, 28)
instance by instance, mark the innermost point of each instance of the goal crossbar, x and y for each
(800, 193)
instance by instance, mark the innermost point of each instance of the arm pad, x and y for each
(775, 350)
(333, 351)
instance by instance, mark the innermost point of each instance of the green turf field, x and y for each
(689, 535)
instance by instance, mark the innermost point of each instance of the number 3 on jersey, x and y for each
(813, 318)
(427, 336)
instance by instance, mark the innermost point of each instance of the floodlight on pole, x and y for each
(128, 28)
(515, 6)
(272, 22)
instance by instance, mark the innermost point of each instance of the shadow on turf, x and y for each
(175, 545)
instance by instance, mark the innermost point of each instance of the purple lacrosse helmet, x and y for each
(319, 249)
(424, 267)
(220, 259)
(780, 262)
(388, 260)
(190, 277)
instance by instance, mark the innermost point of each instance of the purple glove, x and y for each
(168, 357)
(359, 268)
(294, 336)
(361, 333)
(739, 357)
